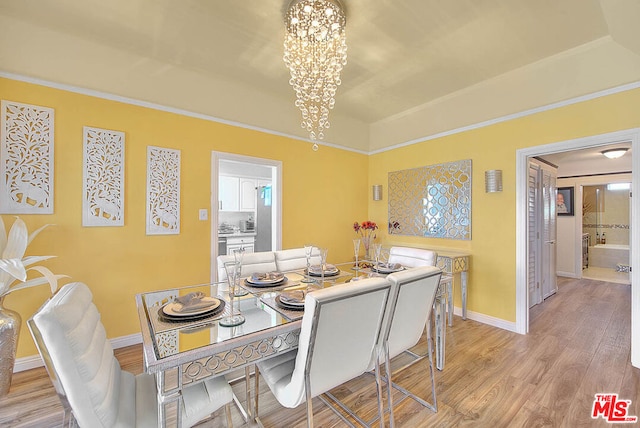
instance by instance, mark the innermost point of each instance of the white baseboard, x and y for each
(33, 361)
(567, 274)
(487, 319)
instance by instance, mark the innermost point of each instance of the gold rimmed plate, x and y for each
(173, 309)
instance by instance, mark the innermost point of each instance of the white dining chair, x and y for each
(93, 389)
(339, 339)
(415, 257)
(405, 321)
(261, 262)
(295, 258)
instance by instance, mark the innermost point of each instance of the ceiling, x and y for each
(415, 67)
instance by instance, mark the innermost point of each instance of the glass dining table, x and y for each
(181, 352)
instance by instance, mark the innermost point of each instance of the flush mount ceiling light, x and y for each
(315, 51)
(614, 153)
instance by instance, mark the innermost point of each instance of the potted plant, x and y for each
(13, 277)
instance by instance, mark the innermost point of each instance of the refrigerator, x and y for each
(263, 219)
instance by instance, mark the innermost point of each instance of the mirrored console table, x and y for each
(456, 264)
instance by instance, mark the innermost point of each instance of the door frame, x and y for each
(276, 195)
(522, 169)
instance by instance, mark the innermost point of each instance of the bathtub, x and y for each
(608, 255)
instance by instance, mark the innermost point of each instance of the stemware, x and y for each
(308, 249)
(233, 277)
(377, 249)
(356, 249)
(323, 261)
(238, 255)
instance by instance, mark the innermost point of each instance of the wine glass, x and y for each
(356, 249)
(238, 255)
(377, 248)
(308, 248)
(323, 261)
(233, 277)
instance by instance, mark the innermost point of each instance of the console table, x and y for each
(455, 263)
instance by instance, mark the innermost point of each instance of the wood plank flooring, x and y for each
(578, 345)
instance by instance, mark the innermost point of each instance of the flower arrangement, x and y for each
(13, 263)
(367, 232)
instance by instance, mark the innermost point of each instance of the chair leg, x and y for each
(431, 368)
(387, 366)
(379, 389)
(309, 407)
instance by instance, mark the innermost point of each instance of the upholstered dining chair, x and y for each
(295, 258)
(405, 321)
(261, 262)
(414, 257)
(338, 341)
(93, 389)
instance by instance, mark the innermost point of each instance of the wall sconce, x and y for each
(493, 180)
(377, 192)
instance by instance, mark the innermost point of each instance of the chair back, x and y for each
(412, 257)
(340, 330)
(295, 258)
(261, 262)
(412, 295)
(79, 359)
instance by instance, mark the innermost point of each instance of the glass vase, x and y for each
(9, 330)
(366, 242)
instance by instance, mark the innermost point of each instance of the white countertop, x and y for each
(236, 234)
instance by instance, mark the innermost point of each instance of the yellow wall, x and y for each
(493, 245)
(118, 262)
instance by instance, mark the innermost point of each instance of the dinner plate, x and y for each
(261, 284)
(330, 271)
(170, 309)
(277, 277)
(386, 268)
(292, 307)
(192, 317)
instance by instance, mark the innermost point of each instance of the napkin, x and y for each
(391, 266)
(294, 297)
(191, 302)
(268, 276)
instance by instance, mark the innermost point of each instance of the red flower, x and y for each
(366, 229)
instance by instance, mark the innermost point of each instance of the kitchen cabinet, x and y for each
(246, 242)
(229, 193)
(248, 194)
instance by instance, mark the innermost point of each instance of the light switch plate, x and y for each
(203, 214)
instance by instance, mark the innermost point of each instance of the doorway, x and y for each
(237, 185)
(605, 228)
(522, 156)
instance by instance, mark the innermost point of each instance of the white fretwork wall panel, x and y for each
(26, 159)
(103, 178)
(163, 191)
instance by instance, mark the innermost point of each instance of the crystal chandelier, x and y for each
(315, 51)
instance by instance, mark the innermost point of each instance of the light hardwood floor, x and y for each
(579, 345)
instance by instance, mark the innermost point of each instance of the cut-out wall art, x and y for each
(103, 177)
(432, 201)
(163, 191)
(26, 159)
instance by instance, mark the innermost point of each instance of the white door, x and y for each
(533, 246)
(541, 230)
(548, 266)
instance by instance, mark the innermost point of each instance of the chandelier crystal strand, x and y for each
(315, 51)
